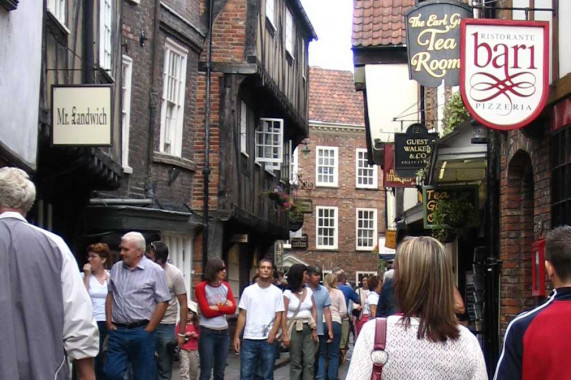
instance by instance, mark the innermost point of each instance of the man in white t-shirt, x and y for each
(261, 308)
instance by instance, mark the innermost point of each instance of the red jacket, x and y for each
(202, 299)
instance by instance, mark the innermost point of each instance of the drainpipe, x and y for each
(88, 59)
(206, 169)
(493, 264)
(153, 101)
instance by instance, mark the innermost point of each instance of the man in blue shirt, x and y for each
(137, 300)
(322, 303)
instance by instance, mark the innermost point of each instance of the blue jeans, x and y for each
(329, 352)
(213, 350)
(165, 334)
(135, 346)
(257, 353)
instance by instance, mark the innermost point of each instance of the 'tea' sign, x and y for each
(504, 75)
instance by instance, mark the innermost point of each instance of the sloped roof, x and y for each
(379, 22)
(301, 10)
(333, 98)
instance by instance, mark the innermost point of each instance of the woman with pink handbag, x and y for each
(425, 340)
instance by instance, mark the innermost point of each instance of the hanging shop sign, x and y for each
(391, 239)
(433, 41)
(390, 177)
(304, 205)
(299, 242)
(81, 115)
(412, 150)
(504, 75)
(459, 196)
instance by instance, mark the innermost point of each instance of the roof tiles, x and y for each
(379, 22)
(333, 98)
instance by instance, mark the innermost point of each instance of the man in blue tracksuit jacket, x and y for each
(538, 343)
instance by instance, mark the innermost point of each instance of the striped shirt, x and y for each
(137, 292)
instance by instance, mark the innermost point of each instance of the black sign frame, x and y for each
(413, 149)
(299, 243)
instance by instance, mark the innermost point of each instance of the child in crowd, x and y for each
(189, 354)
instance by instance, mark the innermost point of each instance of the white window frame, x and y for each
(243, 128)
(271, 12)
(269, 143)
(289, 36)
(105, 34)
(127, 73)
(373, 231)
(319, 163)
(173, 97)
(334, 228)
(361, 165)
(58, 9)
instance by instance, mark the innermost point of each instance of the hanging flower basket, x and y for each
(455, 213)
(280, 196)
(453, 217)
(444, 235)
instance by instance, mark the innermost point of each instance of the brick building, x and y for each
(259, 97)
(347, 196)
(255, 109)
(159, 53)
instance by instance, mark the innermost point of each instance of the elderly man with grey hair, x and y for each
(137, 300)
(46, 311)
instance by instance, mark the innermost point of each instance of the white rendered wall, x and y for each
(20, 69)
(390, 93)
(410, 198)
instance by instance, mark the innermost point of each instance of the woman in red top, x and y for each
(215, 300)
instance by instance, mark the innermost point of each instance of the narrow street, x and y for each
(280, 373)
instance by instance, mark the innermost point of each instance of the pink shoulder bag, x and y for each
(380, 344)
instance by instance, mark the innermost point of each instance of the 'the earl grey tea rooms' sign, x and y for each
(433, 41)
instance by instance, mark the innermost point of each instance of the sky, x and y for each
(332, 21)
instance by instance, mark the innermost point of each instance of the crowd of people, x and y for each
(127, 322)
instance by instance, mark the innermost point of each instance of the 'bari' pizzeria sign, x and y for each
(504, 74)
